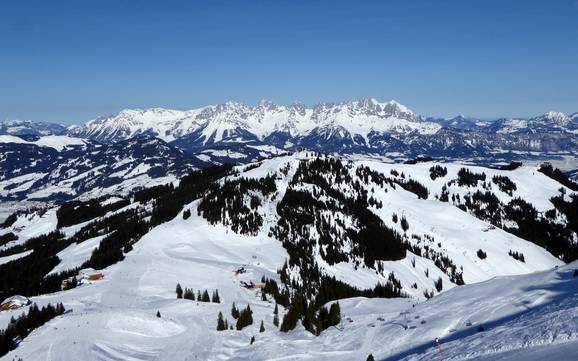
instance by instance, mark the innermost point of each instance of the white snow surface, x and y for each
(219, 121)
(58, 142)
(529, 310)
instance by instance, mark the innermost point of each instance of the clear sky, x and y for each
(70, 61)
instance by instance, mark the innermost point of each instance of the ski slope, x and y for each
(528, 310)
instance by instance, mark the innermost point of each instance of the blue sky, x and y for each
(70, 61)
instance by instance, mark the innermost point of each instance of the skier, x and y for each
(438, 344)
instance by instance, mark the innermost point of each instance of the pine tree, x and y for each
(252, 339)
(206, 297)
(439, 284)
(221, 325)
(263, 296)
(334, 314)
(189, 294)
(370, 358)
(199, 296)
(276, 320)
(234, 311)
(276, 310)
(179, 291)
(159, 314)
(216, 298)
(262, 328)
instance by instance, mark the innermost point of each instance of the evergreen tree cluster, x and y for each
(26, 275)
(555, 237)
(437, 171)
(505, 184)
(518, 256)
(541, 229)
(235, 204)
(418, 160)
(189, 294)
(311, 313)
(324, 210)
(482, 254)
(244, 316)
(193, 186)
(6, 238)
(558, 176)
(148, 194)
(75, 212)
(22, 326)
(413, 186)
(470, 179)
(511, 166)
(442, 261)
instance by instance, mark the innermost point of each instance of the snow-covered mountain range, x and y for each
(477, 254)
(218, 122)
(238, 133)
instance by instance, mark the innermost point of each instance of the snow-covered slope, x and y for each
(114, 318)
(58, 142)
(58, 168)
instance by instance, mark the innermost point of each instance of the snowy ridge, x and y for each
(533, 314)
(58, 142)
(215, 121)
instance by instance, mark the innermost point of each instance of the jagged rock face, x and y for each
(364, 126)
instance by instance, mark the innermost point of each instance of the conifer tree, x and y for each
(159, 314)
(199, 296)
(206, 297)
(252, 339)
(276, 310)
(262, 328)
(221, 325)
(370, 358)
(334, 314)
(189, 294)
(179, 291)
(234, 311)
(245, 318)
(276, 320)
(439, 284)
(216, 298)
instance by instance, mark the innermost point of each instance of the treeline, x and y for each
(193, 186)
(189, 294)
(469, 179)
(76, 212)
(22, 326)
(442, 261)
(505, 184)
(310, 310)
(6, 238)
(556, 238)
(27, 275)
(235, 204)
(558, 176)
(437, 171)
